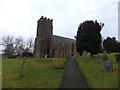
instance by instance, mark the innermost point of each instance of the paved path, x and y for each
(72, 76)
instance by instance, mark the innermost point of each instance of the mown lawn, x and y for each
(95, 75)
(38, 73)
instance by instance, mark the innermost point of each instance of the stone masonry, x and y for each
(47, 44)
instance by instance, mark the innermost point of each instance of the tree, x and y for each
(14, 47)
(88, 37)
(111, 45)
(30, 45)
(8, 43)
(19, 45)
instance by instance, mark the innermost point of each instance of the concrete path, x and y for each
(72, 76)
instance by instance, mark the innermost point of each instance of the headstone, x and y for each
(117, 56)
(105, 56)
(99, 59)
(85, 55)
(108, 66)
(46, 56)
(89, 55)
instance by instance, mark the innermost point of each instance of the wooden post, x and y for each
(22, 68)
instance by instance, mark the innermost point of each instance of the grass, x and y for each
(38, 73)
(95, 75)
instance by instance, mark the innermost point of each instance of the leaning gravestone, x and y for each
(108, 66)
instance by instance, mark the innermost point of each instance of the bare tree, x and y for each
(8, 43)
(19, 45)
(30, 45)
(16, 46)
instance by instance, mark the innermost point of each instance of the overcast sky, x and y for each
(19, 17)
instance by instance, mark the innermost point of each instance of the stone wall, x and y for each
(44, 33)
(51, 45)
(63, 47)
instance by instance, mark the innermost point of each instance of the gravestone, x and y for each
(108, 66)
(89, 55)
(105, 56)
(99, 58)
(46, 56)
(117, 56)
(85, 55)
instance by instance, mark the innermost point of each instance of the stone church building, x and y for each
(49, 45)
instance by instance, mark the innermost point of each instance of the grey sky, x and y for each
(119, 21)
(19, 17)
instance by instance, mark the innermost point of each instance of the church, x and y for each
(49, 45)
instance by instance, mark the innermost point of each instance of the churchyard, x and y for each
(37, 73)
(95, 74)
(40, 73)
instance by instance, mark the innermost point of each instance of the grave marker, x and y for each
(85, 55)
(99, 58)
(108, 66)
(22, 68)
(89, 55)
(23, 63)
(117, 56)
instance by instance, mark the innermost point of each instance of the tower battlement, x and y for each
(42, 17)
(43, 38)
(47, 44)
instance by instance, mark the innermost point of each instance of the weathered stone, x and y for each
(85, 55)
(57, 65)
(108, 66)
(117, 56)
(89, 55)
(99, 58)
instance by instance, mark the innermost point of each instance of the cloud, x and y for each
(19, 17)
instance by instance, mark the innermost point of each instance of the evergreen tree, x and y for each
(88, 37)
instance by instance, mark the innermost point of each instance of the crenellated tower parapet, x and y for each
(43, 37)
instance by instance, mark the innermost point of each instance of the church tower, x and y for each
(43, 37)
